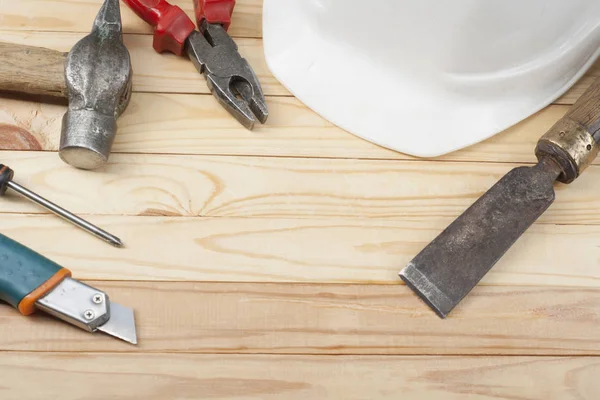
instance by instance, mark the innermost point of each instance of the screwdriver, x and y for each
(6, 176)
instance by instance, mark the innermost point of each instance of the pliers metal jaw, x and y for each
(230, 77)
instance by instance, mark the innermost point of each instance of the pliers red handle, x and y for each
(230, 77)
(214, 12)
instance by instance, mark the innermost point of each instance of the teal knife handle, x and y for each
(22, 271)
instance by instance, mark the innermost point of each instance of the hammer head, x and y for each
(98, 77)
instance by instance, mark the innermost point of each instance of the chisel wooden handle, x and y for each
(586, 110)
(573, 142)
(32, 70)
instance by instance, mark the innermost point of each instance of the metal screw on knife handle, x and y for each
(6, 175)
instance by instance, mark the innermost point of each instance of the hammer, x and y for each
(95, 77)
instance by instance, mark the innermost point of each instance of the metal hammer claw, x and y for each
(98, 77)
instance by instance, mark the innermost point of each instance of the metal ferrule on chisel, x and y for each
(571, 146)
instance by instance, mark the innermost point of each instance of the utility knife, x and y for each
(30, 282)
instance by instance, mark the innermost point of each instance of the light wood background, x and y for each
(263, 265)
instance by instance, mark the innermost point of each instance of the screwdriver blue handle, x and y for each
(26, 276)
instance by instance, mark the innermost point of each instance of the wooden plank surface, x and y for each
(338, 250)
(263, 264)
(326, 319)
(188, 124)
(178, 377)
(173, 185)
(57, 16)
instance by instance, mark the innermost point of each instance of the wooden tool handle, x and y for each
(586, 110)
(32, 70)
(574, 141)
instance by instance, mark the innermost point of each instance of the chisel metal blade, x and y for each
(447, 269)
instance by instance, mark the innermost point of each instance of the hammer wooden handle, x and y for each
(32, 70)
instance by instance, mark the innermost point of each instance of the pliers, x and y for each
(230, 77)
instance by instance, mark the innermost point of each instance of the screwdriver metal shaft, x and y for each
(61, 212)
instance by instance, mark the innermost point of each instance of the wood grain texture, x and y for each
(274, 187)
(290, 263)
(153, 72)
(58, 15)
(32, 70)
(292, 250)
(326, 319)
(190, 124)
(209, 377)
(586, 111)
(199, 125)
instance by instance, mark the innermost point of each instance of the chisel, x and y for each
(447, 269)
(30, 282)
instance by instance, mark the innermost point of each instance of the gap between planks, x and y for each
(325, 319)
(296, 355)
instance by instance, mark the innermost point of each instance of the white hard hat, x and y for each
(427, 77)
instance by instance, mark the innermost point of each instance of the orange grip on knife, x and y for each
(27, 305)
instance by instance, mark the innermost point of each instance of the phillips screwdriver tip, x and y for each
(115, 241)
